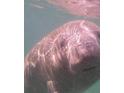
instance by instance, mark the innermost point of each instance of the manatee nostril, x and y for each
(62, 44)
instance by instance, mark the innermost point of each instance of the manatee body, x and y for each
(65, 61)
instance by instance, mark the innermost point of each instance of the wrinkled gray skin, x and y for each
(65, 61)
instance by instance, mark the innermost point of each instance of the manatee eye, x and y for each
(89, 68)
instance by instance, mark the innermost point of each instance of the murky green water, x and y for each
(40, 19)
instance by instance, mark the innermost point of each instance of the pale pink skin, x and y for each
(73, 33)
(90, 8)
(74, 46)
